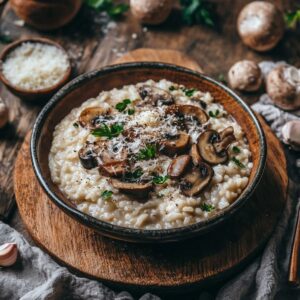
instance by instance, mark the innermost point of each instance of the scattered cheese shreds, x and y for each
(35, 66)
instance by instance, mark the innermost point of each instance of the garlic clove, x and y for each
(291, 134)
(8, 254)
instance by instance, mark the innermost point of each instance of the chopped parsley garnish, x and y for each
(292, 18)
(113, 10)
(110, 132)
(214, 114)
(238, 163)
(121, 106)
(106, 195)
(236, 149)
(221, 77)
(148, 152)
(157, 179)
(172, 88)
(189, 92)
(75, 125)
(134, 175)
(130, 111)
(207, 207)
(197, 11)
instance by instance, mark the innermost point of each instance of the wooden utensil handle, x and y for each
(293, 272)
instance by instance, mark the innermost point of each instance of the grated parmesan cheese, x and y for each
(35, 66)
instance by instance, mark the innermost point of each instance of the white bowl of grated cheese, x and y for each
(34, 68)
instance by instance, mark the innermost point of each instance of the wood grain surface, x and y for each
(154, 267)
(93, 41)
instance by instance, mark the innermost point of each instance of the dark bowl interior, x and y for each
(90, 85)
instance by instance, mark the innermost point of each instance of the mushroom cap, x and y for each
(154, 95)
(89, 116)
(151, 12)
(178, 166)
(136, 189)
(175, 146)
(281, 91)
(245, 75)
(4, 114)
(291, 134)
(260, 25)
(113, 169)
(207, 149)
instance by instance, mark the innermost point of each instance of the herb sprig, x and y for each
(207, 207)
(133, 176)
(214, 114)
(157, 179)
(106, 195)
(113, 10)
(110, 132)
(197, 12)
(147, 153)
(238, 163)
(121, 107)
(236, 149)
(292, 18)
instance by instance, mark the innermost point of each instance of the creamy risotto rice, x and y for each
(153, 155)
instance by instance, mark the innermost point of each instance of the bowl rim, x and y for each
(12, 46)
(135, 234)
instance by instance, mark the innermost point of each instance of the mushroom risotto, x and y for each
(153, 155)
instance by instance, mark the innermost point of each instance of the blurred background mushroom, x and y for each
(245, 75)
(291, 134)
(260, 25)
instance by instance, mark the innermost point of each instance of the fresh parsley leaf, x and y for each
(121, 106)
(196, 12)
(157, 179)
(214, 114)
(207, 207)
(133, 176)
(113, 10)
(75, 125)
(172, 88)
(238, 163)
(110, 132)
(148, 152)
(236, 149)
(292, 18)
(106, 195)
(117, 10)
(130, 111)
(221, 78)
(189, 92)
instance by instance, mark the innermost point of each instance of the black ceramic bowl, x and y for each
(90, 85)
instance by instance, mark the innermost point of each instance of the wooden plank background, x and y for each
(93, 41)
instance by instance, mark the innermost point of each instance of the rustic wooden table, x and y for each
(93, 41)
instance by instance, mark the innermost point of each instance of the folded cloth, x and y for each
(36, 276)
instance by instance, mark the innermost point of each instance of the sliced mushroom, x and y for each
(193, 111)
(113, 169)
(195, 181)
(227, 137)
(155, 96)
(92, 116)
(194, 153)
(88, 157)
(178, 166)
(175, 146)
(136, 189)
(213, 146)
(186, 111)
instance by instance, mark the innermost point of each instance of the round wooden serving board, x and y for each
(206, 259)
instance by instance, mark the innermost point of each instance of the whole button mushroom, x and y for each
(283, 87)
(8, 254)
(3, 114)
(260, 25)
(291, 134)
(245, 75)
(151, 12)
